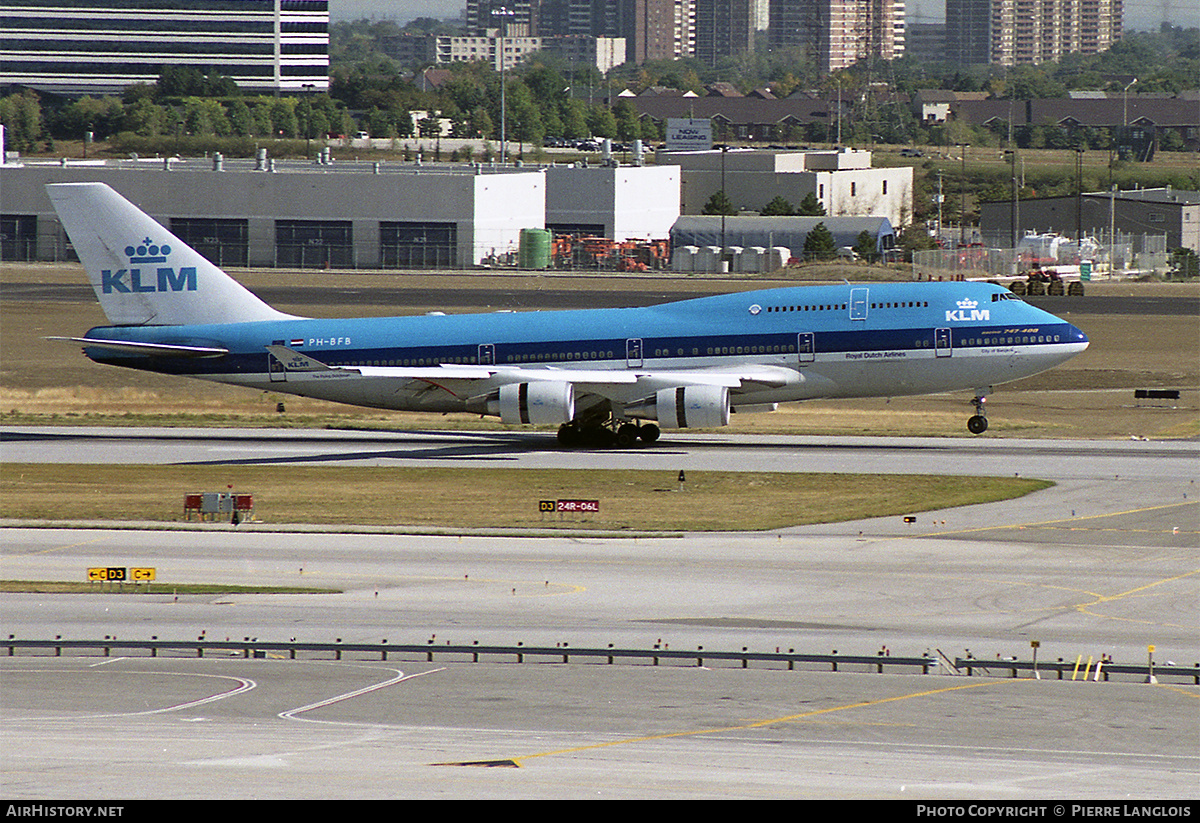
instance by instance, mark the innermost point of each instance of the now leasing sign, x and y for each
(684, 134)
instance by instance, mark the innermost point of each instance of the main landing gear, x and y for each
(978, 424)
(611, 435)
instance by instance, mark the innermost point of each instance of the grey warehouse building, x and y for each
(1174, 213)
(348, 215)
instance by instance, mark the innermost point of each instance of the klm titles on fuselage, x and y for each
(967, 312)
(163, 279)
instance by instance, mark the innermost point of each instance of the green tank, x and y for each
(534, 249)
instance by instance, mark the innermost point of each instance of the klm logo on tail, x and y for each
(163, 279)
(967, 311)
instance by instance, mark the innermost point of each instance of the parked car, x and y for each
(911, 153)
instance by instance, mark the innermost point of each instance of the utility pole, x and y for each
(503, 13)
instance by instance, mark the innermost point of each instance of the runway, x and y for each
(1104, 563)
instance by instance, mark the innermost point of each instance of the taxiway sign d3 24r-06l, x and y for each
(603, 376)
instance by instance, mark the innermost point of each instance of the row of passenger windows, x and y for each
(835, 306)
(1011, 340)
(911, 304)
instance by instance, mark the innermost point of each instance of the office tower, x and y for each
(102, 46)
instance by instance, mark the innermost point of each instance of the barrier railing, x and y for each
(476, 652)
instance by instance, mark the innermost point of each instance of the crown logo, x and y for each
(968, 303)
(147, 252)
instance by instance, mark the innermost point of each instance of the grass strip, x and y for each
(636, 500)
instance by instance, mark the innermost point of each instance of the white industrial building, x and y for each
(617, 202)
(843, 181)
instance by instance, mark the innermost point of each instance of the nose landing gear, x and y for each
(978, 423)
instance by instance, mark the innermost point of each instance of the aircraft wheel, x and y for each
(977, 424)
(649, 433)
(627, 435)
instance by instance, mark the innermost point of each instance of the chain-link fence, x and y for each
(1122, 256)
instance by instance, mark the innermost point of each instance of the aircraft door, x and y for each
(941, 342)
(858, 304)
(806, 344)
(275, 368)
(633, 353)
(487, 354)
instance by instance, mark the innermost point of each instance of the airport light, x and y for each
(503, 12)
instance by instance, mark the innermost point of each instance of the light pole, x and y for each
(503, 13)
(1079, 150)
(1012, 219)
(724, 148)
(1125, 107)
(962, 194)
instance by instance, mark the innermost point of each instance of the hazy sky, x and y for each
(1139, 14)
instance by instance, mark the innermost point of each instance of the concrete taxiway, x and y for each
(1105, 563)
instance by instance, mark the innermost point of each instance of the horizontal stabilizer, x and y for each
(292, 360)
(148, 349)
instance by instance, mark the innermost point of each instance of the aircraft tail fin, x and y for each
(142, 274)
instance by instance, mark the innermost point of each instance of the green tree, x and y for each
(864, 245)
(719, 203)
(628, 127)
(779, 206)
(810, 206)
(573, 114)
(601, 122)
(240, 120)
(1184, 263)
(283, 117)
(912, 238)
(145, 118)
(21, 115)
(523, 119)
(819, 245)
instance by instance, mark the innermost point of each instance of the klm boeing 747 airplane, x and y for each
(603, 376)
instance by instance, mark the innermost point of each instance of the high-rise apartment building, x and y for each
(102, 46)
(839, 33)
(724, 28)
(968, 31)
(652, 29)
(514, 18)
(1025, 32)
(648, 27)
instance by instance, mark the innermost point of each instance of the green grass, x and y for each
(638, 500)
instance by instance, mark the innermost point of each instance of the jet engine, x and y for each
(684, 407)
(541, 403)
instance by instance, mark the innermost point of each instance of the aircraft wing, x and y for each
(593, 381)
